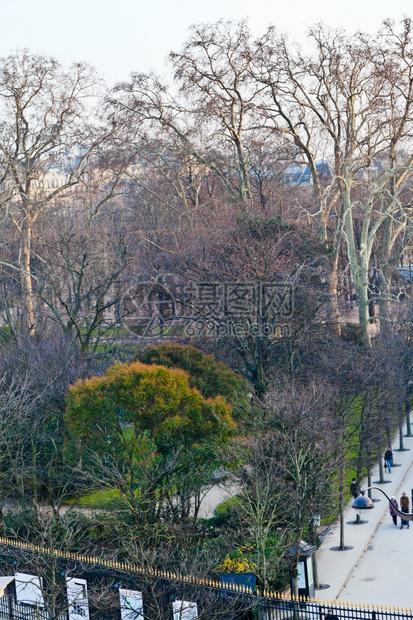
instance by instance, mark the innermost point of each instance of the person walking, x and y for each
(354, 488)
(405, 507)
(393, 504)
(388, 459)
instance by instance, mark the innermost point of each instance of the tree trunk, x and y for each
(359, 264)
(385, 314)
(26, 279)
(386, 273)
(341, 503)
(34, 481)
(363, 302)
(294, 586)
(407, 413)
(341, 546)
(381, 465)
(245, 186)
(315, 571)
(369, 482)
(401, 445)
(335, 313)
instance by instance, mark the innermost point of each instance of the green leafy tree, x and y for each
(141, 429)
(210, 377)
(206, 374)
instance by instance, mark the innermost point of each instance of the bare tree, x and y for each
(44, 150)
(80, 264)
(345, 104)
(213, 112)
(34, 380)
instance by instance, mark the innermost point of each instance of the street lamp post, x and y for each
(363, 502)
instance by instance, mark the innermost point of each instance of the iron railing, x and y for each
(244, 604)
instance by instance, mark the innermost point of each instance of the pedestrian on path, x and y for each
(354, 488)
(393, 504)
(388, 459)
(405, 507)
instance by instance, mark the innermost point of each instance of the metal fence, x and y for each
(282, 610)
(11, 610)
(296, 610)
(226, 602)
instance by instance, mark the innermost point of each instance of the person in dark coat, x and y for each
(393, 513)
(388, 459)
(405, 507)
(354, 488)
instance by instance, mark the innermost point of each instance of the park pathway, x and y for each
(378, 566)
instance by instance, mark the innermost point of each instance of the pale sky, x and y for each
(121, 36)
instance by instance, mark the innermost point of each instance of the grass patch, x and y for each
(226, 507)
(99, 499)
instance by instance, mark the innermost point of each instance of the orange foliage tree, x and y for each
(206, 374)
(142, 430)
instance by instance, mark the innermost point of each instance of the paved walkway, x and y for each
(379, 567)
(217, 494)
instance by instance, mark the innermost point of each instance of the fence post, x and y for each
(10, 602)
